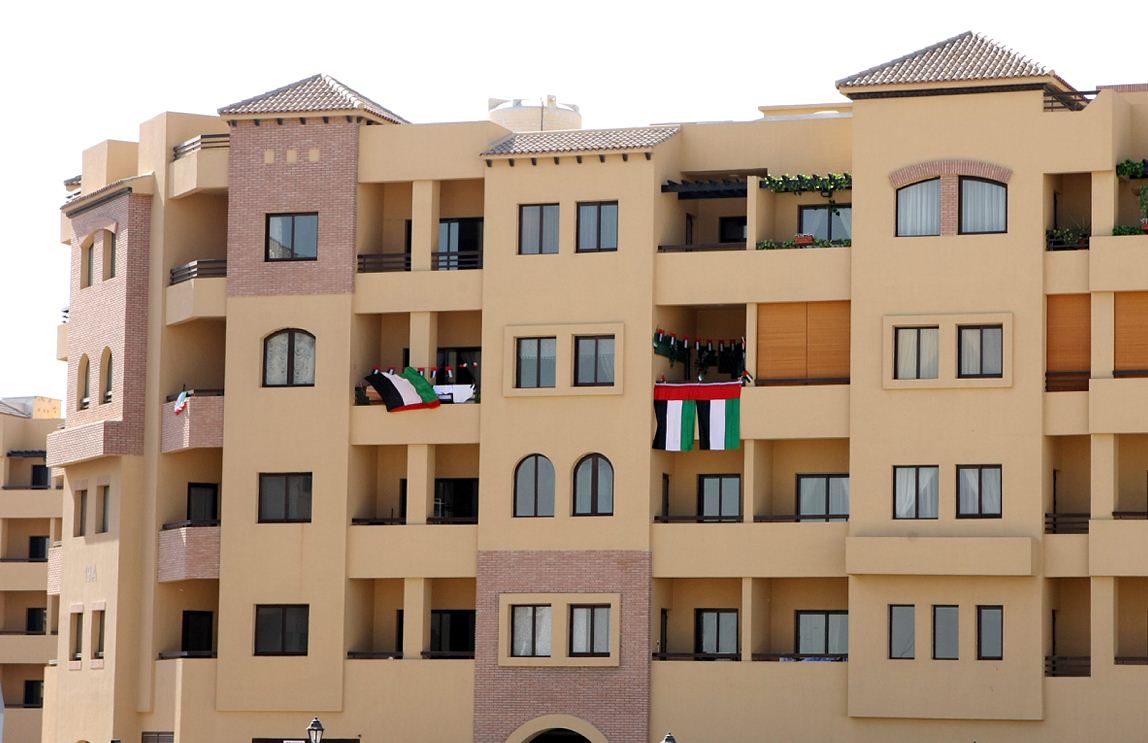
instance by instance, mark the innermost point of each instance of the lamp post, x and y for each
(315, 731)
(669, 738)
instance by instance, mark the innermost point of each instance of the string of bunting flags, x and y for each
(727, 355)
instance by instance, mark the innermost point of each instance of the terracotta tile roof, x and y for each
(967, 56)
(582, 140)
(312, 95)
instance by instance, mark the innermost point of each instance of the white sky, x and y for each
(82, 72)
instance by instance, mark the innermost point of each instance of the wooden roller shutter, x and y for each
(827, 355)
(781, 341)
(1069, 340)
(1131, 340)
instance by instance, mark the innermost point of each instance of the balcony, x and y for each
(199, 165)
(26, 502)
(22, 723)
(372, 425)
(181, 683)
(198, 426)
(795, 412)
(18, 646)
(198, 291)
(62, 342)
(23, 574)
(803, 549)
(975, 556)
(1119, 263)
(188, 551)
(1118, 547)
(1067, 665)
(386, 284)
(1117, 405)
(424, 550)
(92, 441)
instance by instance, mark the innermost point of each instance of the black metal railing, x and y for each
(1131, 660)
(1066, 381)
(195, 393)
(803, 657)
(1066, 523)
(204, 268)
(1067, 665)
(26, 487)
(1067, 100)
(696, 519)
(1129, 373)
(374, 655)
(1130, 515)
(458, 260)
(452, 519)
(788, 518)
(1055, 242)
(24, 559)
(202, 142)
(696, 656)
(800, 381)
(174, 654)
(64, 314)
(189, 524)
(702, 247)
(448, 654)
(384, 262)
(372, 521)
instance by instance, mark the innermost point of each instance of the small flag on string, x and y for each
(181, 402)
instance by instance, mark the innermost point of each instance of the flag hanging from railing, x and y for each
(716, 408)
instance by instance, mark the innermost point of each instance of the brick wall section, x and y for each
(616, 700)
(198, 427)
(92, 441)
(190, 553)
(257, 188)
(55, 570)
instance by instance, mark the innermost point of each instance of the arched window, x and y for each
(984, 206)
(289, 359)
(534, 487)
(919, 209)
(106, 376)
(593, 486)
(82, 384)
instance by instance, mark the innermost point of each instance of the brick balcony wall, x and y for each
(55, 570)
(94, 440)
(200, 426)
(189, 553)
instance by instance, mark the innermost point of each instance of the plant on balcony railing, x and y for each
(792, 244)
(1132, 169)
(826, 185)
(1068, 238)
(1123, 230)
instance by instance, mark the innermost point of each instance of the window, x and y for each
(88, 258)
(285, 498)
(981, 351)
(822, 633)
(902, 632)
(33, 693)
(102, 497)
(915, 492)
(597, 226)
(590, 631)
(979, 491)
(823, 497)
(197, 632)
(916, 353)
(106, 376)
(77, 635)
(827, 222)
(98, 627)
(732, 229)
(83, 384)
(456, 500)
(281, 629)
(537, 229)
(292, 237)
(464, 362)
(80, 514)
(536, 362)
(203, 503)
(534, 487)
(530, 631)
(594, 486)
(919, 209)
(719, 497)
(109, 255)
(38, 548)
(946, 632)
(452, 631)
(459, 243)
(289, 359)
(715, 631)
(984, 206)
(593, 360)
(36, 620)
(990, 632)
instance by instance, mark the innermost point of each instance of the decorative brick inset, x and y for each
(949, 171)
(615, 699)
(200, 426)
(188, 553)
(55, 570)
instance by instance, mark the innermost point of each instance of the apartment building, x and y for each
(30, 507)
(922, 515)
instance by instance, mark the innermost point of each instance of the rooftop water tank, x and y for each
(518, 115)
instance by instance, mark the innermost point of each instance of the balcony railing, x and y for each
(173, 654)
(202, 142)
(802, 657)
(374, 655)
(1129, 373)
(1072, 100)
(189, 523)
(452, 519)
(1130, 515)
(384, 262)
(697, 519)
(448, 654)
(24, 559)
(1056, 240)
(458, 260)
(379, 521)
(196, 393)
(205, 268)
(1067, 665)
(799, 518)
(696, 656)
(702, 247)
(1131, 660)
(1066, 523)
(800, 381)
(1066, 381)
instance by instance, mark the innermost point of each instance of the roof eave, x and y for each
(312, 113)
(995, 82)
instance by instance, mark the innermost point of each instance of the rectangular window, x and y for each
(537, 229)
(281, 629)
(597, 226)
(38, 547)
(285, 498)
(36, 621)
(203, 503)
(823, 497)
(822, 633)
(456, 500)
(979, 491)
(716, 631)
(88, 257)
(110, 253)
(452, 631)
(77, 635)
(292, 237)
(593, 360)
(916, 353)
(946, 632)
(464, 362)
(719, 497)
(530, 631)
(197, 632)
(103, 495)
(80, 515)
(590, 631)
(981, 351)
(98, 618)
(984, 206)
(732, 229)
(459, 244)
(535, 362)
(916, 491)
(827, 222)
(33, 693)
(902, 631)
(990, 632)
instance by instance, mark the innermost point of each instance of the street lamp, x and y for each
(315, 731)
(669, 738)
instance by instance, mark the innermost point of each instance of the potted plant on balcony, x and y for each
(802, 240)
(1144, 208)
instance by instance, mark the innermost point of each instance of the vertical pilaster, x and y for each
(1105, 473)
(1103, 625)
(1103, 335)
(747, 619)
(424, 339)
(424, 223)
(416, 616)
(420, 482)
(1104, 195)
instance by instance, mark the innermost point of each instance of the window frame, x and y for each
(542, 222)
(721, 478)
(798, 613)
(917, 501)
(76, 651)
(699, 613)
(897, 207)
(827, 517)
(961, 205)
(267, 237)
(802, 208)
(981, 361)
(742, 221)
(917, 361)
(981, 610)
(957, 627)
(80, 513)
(99, 619)
(306, 608)
(109, 255)
(83, 383)
(595, 459)
(103, 508)
(436, 632)
(912, 626)
(291, 333)
(980, 513)
(535, 457)
(287, 479)
(538, 371)
(593, 623)
(597, 206)
(533, 630)
(597, 339)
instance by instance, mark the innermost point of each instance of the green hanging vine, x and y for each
(826, 185)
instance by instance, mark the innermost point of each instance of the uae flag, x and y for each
(406, 391)
(716, 407)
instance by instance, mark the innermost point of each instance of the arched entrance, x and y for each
(559, 735)
(557, 729)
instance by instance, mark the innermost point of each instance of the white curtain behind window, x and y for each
(275, 359)
(304, 359)
(905, 498)
(982, 206)
(929, 489)
(919, 209)
(928, 339)
(991, 491)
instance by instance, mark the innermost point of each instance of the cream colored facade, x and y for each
(1074, 651)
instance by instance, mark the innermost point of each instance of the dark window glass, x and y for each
(530, 631)
(597, 226)
(826, 222)
(915, 492)
(537, 229)
(103, 508)
(715, 631)
(534, 487)
(36, 621)
(822, 633)
(946, 633)
(535, 362)
(459, 243)
(202, 502)
(110, 249)
(292, 237)
(902, 631)
(452, 630)
(984, 206)
(463, 361)
(979, 491)
(77, 636)
(823, 497)
(281, 629)
(731, 229)
(38, 547)
(593, 360)
(981, 351)
(719, 497)
(456, 499)
(33, 693)
(40, 476)
(289, 359)
(590, 630)
(916, 353)
(990, 632)
(285, 498)
(594, 486)
(98, 618)
(197, 632)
